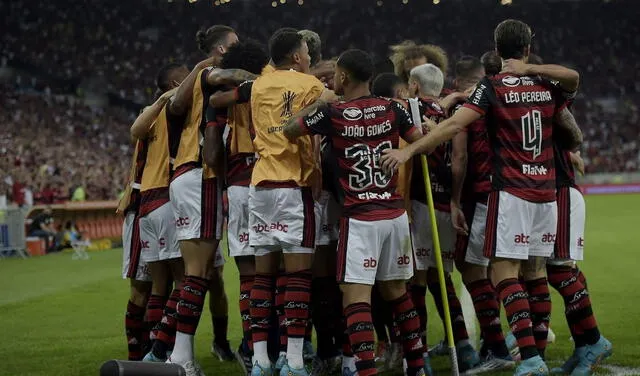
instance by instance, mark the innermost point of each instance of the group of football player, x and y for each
(317, 168)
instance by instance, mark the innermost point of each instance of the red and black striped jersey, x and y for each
(519, 112)
(439, 162)
(565, 174)
(477, 183)
(359, 131)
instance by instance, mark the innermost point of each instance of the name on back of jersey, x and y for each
(371, 130)
(527, 96)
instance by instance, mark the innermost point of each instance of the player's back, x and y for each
(275, 97)
(520, 126)
(238, 142)
(361, 130)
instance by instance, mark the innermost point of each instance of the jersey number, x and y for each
(532, 132)
(367, 166)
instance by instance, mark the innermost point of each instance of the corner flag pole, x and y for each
(443, 287)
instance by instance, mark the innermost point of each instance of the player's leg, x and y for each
(472, 265)
(357, 263)
(267, 260)
(422, 238)
(219, 308)
(395, 268)
(195, 202)
(140, 287)
(507, 238)
(562, 277)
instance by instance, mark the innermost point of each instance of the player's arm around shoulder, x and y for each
(182, 100)
(232, 77)
(307, 120)
(144, 121)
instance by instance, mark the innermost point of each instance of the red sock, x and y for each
(410, 333)
(166, 333)
(297, 301)
(281, 287)
(360, 329)
(516, 304)
(134, 328)
(455, 310)
(418, 296)
(487, 307)
(577, 304)
(246, 284)
(581, 277)
(540, 305)
(189, 308)
(260, 310)
(155, 306)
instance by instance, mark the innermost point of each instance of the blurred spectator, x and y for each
(70, 234)
(42, 227)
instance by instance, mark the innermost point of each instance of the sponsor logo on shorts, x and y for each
(404, 260)
(244, 237)
(370, 263)
(144, 244)
(183, 221)
(162, 242)
(423, 252)
(521, 239)
(581, 242)
(549, 238)
(271, 227)
(327, 228)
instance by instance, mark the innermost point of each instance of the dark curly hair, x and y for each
(248, 54)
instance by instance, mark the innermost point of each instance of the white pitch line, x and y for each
(620, 371)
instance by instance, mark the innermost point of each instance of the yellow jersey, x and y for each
(274, 98)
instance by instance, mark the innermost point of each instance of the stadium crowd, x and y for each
(118, 50)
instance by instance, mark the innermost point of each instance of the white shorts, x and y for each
(158, 235)
(281, 219)
(327, 219)
(422, 236)
(197, 206)
(517, 228)
(374, 250)
(132, 266)
(571, 221)
(238, 222)
(475, 246)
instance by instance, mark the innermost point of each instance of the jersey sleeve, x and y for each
(482, 97)
(316, 87)
(561, 97)
(318, 121)
(243, 92)
(402, 119)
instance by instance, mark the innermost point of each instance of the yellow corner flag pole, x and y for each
(440, 266)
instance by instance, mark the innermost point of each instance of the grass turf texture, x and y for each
(65, 317)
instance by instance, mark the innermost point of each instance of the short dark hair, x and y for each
(163, 77)
(209, 38)
(511, 38)
(315, 45)
(282, 44)
(384, 84)
(492, 63)
(357, 63)
(248, 54)
(535, 59)
(467, 65)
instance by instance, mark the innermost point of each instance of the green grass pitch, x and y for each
(64, 317)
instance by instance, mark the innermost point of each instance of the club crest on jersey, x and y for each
(287, 105)
(510, 81)
(352, 114)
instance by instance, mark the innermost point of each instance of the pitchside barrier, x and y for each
(12, 232)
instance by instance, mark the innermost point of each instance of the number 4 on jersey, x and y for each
(532, 132)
